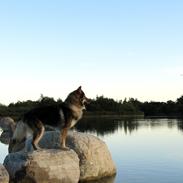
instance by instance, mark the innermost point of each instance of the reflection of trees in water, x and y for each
(180, 124)
(103, 126)
(129, 125)
(160, 122)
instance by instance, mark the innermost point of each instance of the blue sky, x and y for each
(116, 48)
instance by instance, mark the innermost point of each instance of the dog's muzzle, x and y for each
(86, 100)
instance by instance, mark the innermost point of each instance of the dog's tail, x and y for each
(20, 132)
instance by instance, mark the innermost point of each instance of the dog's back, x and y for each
(48, 115)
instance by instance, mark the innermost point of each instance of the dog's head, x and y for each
(78, 98)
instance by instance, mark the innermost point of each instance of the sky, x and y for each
(115, 48)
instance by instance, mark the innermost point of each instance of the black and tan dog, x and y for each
(63, 117)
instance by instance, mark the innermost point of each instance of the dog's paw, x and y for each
(39, 149)
(65, 148)
(36, 147)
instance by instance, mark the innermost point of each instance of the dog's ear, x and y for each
(79, 90)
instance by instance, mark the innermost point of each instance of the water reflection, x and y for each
(180, 124)
(105, 126)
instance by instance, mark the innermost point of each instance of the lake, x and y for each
(144, 150)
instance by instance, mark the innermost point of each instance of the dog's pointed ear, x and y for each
(79, 90)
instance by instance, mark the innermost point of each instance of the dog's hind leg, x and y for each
(37, 135)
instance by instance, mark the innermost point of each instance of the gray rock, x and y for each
(7, 124)
(4, 176)
(5, 137)
(95, 158)
(43, 166)
(110, 179)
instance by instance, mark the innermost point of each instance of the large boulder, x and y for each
(95, 158)
(4, 176)
(43, 166)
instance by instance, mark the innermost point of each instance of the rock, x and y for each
(95, 158)
(16, 147)
(55, 166)
(4, 176)
(5, 137)
(7, 124)
(110, 179)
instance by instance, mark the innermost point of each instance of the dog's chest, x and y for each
(73, 122)
(78, 116)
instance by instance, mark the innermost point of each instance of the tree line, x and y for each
(102, 105)
(134, 106)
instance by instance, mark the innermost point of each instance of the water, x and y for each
(144, 150)
(3, 150)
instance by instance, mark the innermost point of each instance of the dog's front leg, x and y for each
(63, 138)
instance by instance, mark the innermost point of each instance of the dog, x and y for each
(62, 117)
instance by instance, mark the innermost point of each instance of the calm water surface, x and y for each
(144, 150)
